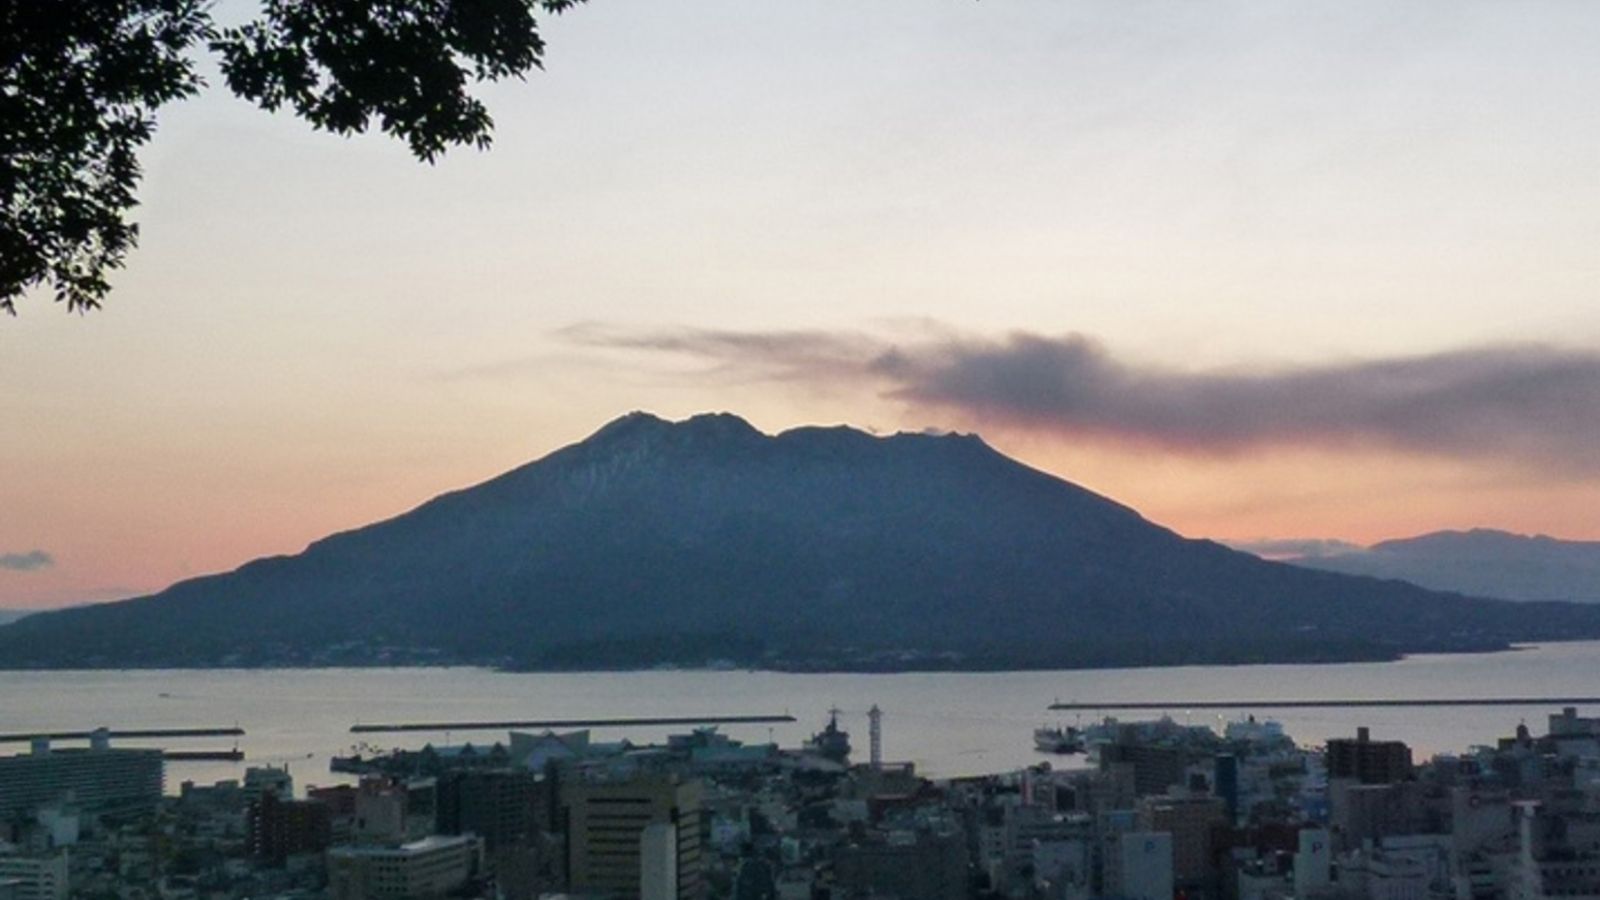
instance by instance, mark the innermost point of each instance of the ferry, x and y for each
(1058, 740)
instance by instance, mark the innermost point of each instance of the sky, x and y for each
(1313, 270)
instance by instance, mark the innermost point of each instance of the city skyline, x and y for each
(1358, 239)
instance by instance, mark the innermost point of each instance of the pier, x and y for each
(573, 723)
(202, 755)
(1328, 704)
(135, 733)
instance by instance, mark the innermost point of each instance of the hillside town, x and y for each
(1155, 810)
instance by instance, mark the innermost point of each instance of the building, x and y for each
(340, 799)
(380, 813)
(658, 861)
(432, 867)
(1549, 863)
(1190, 821)
(1368, 761)
(1367, 812)
(1026, 827)
(923, 865)
(606, 826)
(1313, 861)
(1259, 879)
(1155, 767)
(1065, 864)
(223, 795)
(1480, 815)
(1139, 866)
(259, 780)
(1385, 876)
(502, 806)
(278, 829)
(59, 824)
(1225, 775)
(31, 877)
(99, 779)
(1568, 723)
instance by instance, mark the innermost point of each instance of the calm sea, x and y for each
(949, 724)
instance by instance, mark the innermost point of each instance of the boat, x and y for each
(831, 742)
(354, 764)
(1058, 740)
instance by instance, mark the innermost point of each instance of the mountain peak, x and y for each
(720, 425)
(730, 427)
(639, 422)
(659, 541)
(628, 423)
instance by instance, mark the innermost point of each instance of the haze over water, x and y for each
(948, 723)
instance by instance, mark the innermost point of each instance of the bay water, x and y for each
(949, 724)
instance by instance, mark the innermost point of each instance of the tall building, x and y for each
(278, 829)
(340, 799)
(1368, 761)
(380, 813)
(259, 780)
(501, 806)
(432, 867)
(1227, 784)
(606, 835)
(35, 877)
(1155, 767)
(1190, 820)
(99, 779)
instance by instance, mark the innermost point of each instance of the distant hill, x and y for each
(1481, 563)
(655, 542)
(7, 616)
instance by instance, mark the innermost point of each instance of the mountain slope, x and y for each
(656, 542)
(1481, 563)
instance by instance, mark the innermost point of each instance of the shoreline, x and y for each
(820, 670)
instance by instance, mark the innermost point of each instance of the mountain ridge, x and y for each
(1485, 562)
(676, 543)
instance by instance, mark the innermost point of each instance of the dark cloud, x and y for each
(26, 562)
(1525, 403)
(780, 355)
(1529, 402)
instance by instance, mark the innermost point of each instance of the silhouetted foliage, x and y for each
(80, 82)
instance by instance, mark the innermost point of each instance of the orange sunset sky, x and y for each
(1257, 270)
